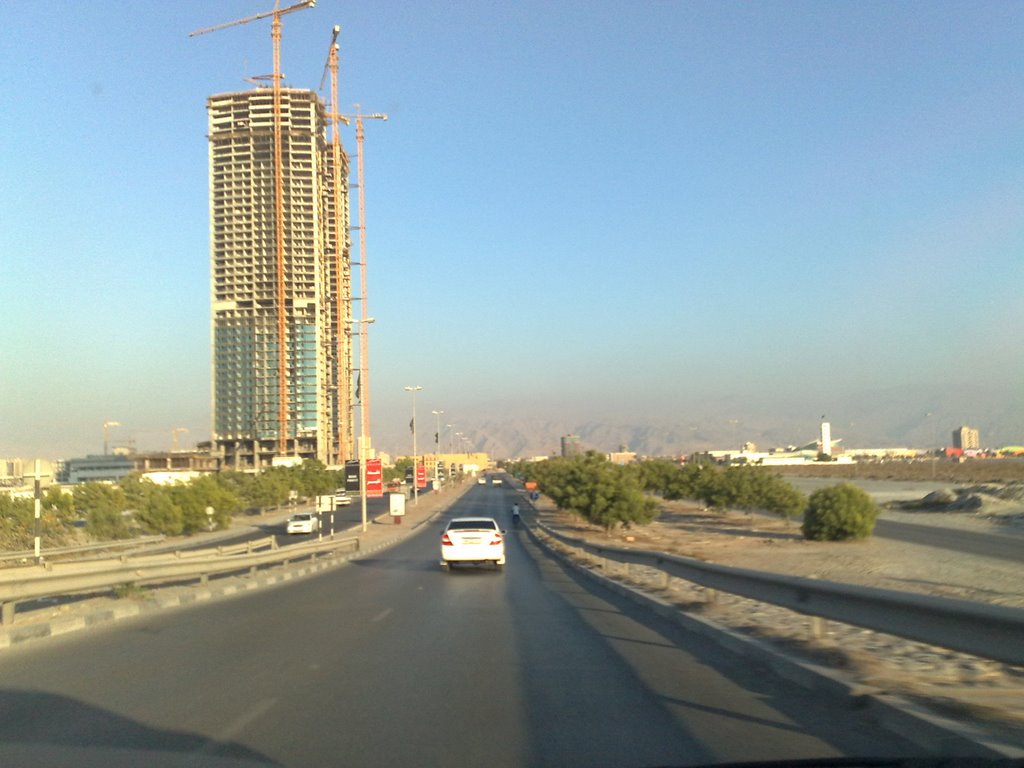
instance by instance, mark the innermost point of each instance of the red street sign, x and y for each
(421, 476)
(374, 479)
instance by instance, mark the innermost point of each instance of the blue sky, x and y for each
(614, 208)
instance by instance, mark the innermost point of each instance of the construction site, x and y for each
(287, 384)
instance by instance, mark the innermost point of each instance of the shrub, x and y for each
(839, 513)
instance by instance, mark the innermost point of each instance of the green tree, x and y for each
(106, 524)
(59, 504)
(136, 489)
(655, 475)
(159, 513)
(102, 505)
(16, 522)
(602, 493)
(839, 513)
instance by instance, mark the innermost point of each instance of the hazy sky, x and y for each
(612, 206)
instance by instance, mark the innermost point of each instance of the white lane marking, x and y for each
(381, 616)
(237, 725)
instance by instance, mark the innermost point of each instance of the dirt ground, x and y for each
(771, 544)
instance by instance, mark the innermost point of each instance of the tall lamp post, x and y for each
(362, 396)
(412, 424)
(437, 447)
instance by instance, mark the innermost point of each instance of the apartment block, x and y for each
(246, 288)
(966, 438)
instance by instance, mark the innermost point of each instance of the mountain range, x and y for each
(897, 417)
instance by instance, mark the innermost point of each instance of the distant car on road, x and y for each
(342, 500)
(303, 522)
(472, 541)
(495, 481)
(481, 481)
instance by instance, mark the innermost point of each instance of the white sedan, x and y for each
(472, 540)
(303, 522)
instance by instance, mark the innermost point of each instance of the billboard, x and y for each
(421, 476)
(352, 475)
(374, 479)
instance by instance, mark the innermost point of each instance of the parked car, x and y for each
(472, 541)
(303, 522)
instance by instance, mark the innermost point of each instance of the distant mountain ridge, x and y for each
(889, 418)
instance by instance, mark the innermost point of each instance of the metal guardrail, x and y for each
(989, 631)
(58, 579)
(50, 552)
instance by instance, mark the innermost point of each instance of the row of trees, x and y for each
(135, 505)
(602, 493)
(610, 495)
(739, 487)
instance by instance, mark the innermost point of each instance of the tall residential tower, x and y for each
(247, 285)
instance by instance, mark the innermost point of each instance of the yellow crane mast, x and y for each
(342, 287)
(282, 346)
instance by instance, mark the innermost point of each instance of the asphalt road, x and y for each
(957, 540)
(392, 662)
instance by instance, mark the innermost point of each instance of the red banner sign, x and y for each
(374, 479)
(421, 476)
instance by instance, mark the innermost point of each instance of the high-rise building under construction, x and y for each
(265, 281)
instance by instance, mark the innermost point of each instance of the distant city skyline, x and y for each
(622, 215)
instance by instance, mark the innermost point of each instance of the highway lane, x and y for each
(392, 662)
(1001, 547)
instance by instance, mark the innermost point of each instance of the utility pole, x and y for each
(364, 310)
(437, 448)
(106, 426)
(415, 462)
(174, 437)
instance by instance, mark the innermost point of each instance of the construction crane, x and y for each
(342, 288)
(364, 322)
(282, 345)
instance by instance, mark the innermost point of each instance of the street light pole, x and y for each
(106, 426)
(363, 397)
(415, 464)
(437, 447)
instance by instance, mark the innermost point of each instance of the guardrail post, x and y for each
(7, 613)
(817, 627)
(252, 570)
(203, 579)
(712, 596)
(248, 547)
(666, 579)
